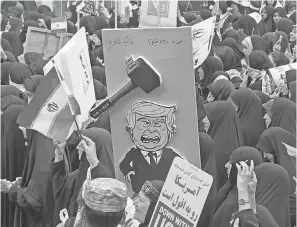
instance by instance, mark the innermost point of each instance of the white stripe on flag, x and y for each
(51, 108)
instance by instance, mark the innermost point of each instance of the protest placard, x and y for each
(183, 196)
(163, 51)
(202, 34)
(43, 41)
(279, 74)
(87, 7)
(155, 13)
(73, 62)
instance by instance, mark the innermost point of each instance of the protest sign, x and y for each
(43, 41)
(163, 51)
(202, 34)
(87, 7)
(279, 74)
(73, 63)
(156, 13)
(183, 196)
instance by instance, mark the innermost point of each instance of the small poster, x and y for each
(279, 74)
(156, 13)
(202, 34)
(41, 40)
(183, 196)
(153, 8)
(89, 8)
(157, 120)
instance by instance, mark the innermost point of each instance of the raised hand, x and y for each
(59, 150)
(252, 184)
(89, 148)
(244, 174)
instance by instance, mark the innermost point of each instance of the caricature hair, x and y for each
(150, 109)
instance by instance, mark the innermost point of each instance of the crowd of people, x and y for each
(247, 124)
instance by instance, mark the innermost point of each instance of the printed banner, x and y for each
(202, 34)
(183, 196)
(154, 117)
(158, 13)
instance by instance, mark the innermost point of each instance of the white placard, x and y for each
(183, 196)
(73, 62)
(279, 74)
(202, 37)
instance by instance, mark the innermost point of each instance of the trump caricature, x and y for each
(151, 127)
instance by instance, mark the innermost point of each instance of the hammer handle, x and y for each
(109, 102)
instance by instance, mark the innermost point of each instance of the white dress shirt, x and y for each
(147, 158)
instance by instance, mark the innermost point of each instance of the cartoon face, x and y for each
(150, 133)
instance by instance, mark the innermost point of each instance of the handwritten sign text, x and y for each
(125, 41)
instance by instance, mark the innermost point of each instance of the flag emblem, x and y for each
(52, 107)
(49, 111)
(59, 25)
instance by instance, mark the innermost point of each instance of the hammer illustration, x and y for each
(142, 74)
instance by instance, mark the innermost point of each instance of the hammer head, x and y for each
(143, 74)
